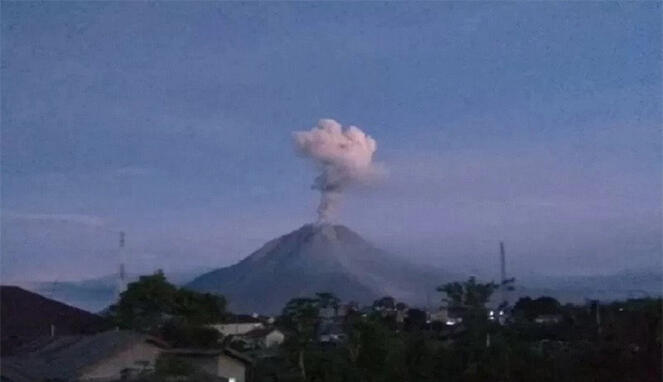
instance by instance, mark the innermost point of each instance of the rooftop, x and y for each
(64, 357)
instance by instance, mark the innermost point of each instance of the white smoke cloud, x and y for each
(344, 156)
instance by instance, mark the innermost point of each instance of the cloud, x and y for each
(86, 220)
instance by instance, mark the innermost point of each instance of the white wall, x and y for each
(275, 337)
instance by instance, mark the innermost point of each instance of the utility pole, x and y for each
(503, 273)
(598, 317)
(121, 282)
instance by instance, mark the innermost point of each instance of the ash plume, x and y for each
(344, 157)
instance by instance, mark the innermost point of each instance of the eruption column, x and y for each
(343, 155)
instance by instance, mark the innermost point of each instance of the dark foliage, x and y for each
(528, 309)
(178, 315)
(179, 333)
(624, 345)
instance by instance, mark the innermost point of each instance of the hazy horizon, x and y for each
(536, 124)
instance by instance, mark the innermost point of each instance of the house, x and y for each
(263, 338)
(224, 363)
(336, 312)
(330, 332)
(106, 356)
(26, 316)
(440, 315)
(388, 307)
(548, 319)
(239, 324)
(445, 316)
(400, 316)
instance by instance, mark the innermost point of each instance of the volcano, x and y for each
(319, 258)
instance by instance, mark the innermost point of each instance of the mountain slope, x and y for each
(318, 258)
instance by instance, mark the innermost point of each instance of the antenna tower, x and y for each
(121, 282)
(503, 274)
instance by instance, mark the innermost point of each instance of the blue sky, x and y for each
(534, 123)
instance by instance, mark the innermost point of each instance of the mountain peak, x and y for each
(329, 231)
(315, 258)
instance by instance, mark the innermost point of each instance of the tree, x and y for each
(469, 294)
(327, 300)
(154, 305)
(468, 299)
(529, 309)
(180, 333)
(299, 317)
(369, 346)
(146, 304)
(386, 302)
(416, 319)
(199, 308)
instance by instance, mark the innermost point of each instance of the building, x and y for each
(26, 316)
(263, 338)
(441, 315)
(445, 316)
(400, 316)
(239, 325)
(548, 319)
(330, 332)
(111, 355)
(225, 363)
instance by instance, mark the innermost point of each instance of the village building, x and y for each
(227, 364)
(440, 315)
(331, 332)
(239, 325)
(548, 319)
(264, 338)
(107, 356)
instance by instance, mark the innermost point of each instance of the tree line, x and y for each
(624, 345)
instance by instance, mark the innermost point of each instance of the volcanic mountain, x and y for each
(319, 258)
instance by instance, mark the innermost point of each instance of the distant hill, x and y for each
(578, 288)
(25, 316)
(95, 294)
(317, 258)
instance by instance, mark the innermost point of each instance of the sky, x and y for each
(534, 123)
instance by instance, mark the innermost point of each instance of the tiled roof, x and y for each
(196, 352)
(63, 358)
